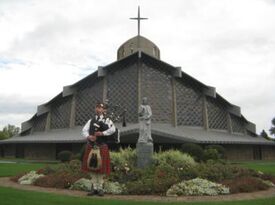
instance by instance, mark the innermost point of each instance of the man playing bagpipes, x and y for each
(96, 159)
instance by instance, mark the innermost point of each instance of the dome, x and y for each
(138, 43)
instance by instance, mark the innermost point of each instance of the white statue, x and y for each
(145, 114)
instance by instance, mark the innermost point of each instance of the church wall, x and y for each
(239, 152)
(237, 124)
(76, 147)
(40, 151)
(157, 87)
(60, 113)
(217, 114)
(9, 150)
(189, 104)
(122, 85)
(88, 94)
(39, 123)
(268, 152)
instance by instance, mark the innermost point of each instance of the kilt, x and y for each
(105, 157)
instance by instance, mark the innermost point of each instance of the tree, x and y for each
(264, 134)
(9, 131)
(272, 129)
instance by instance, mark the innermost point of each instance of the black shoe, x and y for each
(92, 193)
(100, 193)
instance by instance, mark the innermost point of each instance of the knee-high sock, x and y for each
(97, 181)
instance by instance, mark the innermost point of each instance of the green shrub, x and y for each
(194, 150)
(123, 158)
(210, 154)
(64, 156)
(123, 177)
(187, 173)
(173, 158)
(219, 148)
(140, 187)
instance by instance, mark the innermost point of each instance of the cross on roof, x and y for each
(138, 19)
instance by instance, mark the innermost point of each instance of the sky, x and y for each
(227, 44)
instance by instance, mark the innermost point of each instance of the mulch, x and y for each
(6, 182)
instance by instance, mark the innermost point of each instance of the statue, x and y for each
(145, 114)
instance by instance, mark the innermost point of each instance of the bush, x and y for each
(82, 185)
(173, 158)
(164, 177)
(219, 148)
(123, 177)
(268, 177)
(210, 154)
(114, 188)
(65, 156)
(215, 171)
(62, 180)
(245, 184)
(123, 159)
(197, 187)
(140, 187)
(46, 170)
(194, 150)
(29, 178)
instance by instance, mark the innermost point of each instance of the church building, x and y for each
(184, 110)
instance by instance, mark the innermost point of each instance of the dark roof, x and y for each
(162, 133)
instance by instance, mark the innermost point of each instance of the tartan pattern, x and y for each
(105, 157)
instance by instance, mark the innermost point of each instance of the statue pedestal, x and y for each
(144, 154)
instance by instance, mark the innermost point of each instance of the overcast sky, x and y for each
(228, 44)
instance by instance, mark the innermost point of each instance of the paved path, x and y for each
(5, 182)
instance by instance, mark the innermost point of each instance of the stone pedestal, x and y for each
(144, 154)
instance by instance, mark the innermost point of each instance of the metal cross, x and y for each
(138, 19)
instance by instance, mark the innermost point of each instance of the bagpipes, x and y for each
(116, 113)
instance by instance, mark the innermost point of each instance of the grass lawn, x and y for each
(267, 167)
(10, 196)
(11, 169)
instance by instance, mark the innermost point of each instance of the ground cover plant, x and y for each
(169, 168)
